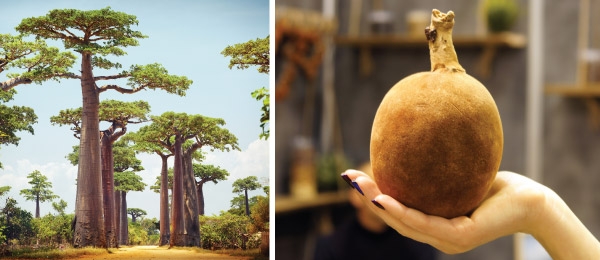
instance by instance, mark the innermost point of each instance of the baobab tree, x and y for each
(243, 186)
(40, 190)
(95, 35)
(253, 53)
(128, 181)
(171, 130)
(119, 114)
(136, 213)
(124, 161)
(145, 142)
(206, 173)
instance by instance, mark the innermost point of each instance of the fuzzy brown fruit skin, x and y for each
(436, 141)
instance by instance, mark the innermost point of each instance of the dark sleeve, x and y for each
(323, 249)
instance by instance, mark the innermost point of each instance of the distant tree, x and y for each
(243, 186)
(238, 204)
(136, 213)
(13, 118)
(60, 206)
(253, 53)
(40, 190)
(260, 213)
(206, 173)
(158, 183)
(128, 181)
(146, 141)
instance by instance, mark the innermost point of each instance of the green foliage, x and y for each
(112, 111)
(501, 14)
(263, 94)
(238, 204)
(37, 61)
(40, 188)
(121, 112)
(107, 31)
(224, 231)
(259, 215)
(4, 189)
(60, 206)
(136, 213)
(129, 181)
(156, 186)
(17, 223)
(250, 53)
(144, 232)
(206, 173)
(54, 229)
(155, 76)
(124, 158)
(248, 183)
(14, 119)
(253, 53)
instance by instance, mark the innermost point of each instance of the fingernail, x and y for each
(347, 180)
(377, 204)
(355, 184)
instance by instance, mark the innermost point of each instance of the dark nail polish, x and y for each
(347, 180)
(377, 204)
(355, 184)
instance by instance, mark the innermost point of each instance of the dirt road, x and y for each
(155, 252)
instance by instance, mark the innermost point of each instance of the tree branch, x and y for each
(11, 83)
(118, 89)
(120, 76)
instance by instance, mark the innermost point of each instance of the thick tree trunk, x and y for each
(124, 225)
(165, 233)
(89, 224)
(118, 215)
(200, 192)
(177, 233)
(246, 199)
(37, 206)
(108, 189)
(190, 212)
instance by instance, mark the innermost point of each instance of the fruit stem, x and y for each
(441, 49)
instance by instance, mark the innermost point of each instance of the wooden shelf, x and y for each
(490, 43)
(286, 204)
(588, 92)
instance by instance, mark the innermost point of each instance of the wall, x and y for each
(571, 147)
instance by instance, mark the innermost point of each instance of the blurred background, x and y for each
(336, 59)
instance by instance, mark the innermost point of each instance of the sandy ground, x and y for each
(155, 252)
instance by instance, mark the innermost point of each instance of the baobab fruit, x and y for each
(436, 141)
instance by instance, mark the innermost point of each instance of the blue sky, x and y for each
(186, 37)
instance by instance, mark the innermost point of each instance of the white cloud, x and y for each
(61, 175)
(252, 161)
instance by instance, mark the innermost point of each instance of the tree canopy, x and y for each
(254, 53)
(34, 61)
(14, 119)
(250, 53)
(129, 181)
(40, 190)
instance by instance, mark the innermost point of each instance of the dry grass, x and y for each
(55, 253)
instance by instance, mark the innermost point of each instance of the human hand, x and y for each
(514, 203)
